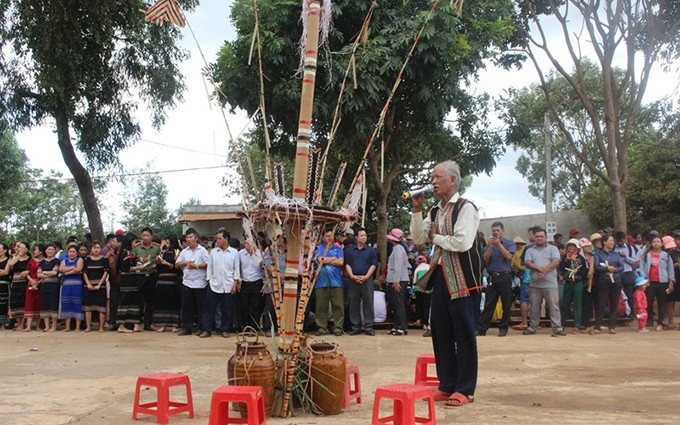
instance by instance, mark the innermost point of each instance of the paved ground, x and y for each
(90, 378)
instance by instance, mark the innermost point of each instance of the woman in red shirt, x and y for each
(657, 267)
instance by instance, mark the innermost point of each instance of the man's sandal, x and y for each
(458, 399)
(441, 396)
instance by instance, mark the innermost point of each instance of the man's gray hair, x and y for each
(454, 169)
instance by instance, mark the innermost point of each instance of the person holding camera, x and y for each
(498, 258)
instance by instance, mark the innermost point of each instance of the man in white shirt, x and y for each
(223, 274)
(251, 287)
(193, 261)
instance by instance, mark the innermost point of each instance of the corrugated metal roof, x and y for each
(193, 217)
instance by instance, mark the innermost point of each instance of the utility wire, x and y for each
(140, 173)
(182, 148)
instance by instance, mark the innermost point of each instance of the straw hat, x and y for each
(595, 236)
(575, 242)
(517, 240)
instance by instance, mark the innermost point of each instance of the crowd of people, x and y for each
(198, 285)
(188, 285)
(607, 275)
(130, 284)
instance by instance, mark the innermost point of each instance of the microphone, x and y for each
(411, 193)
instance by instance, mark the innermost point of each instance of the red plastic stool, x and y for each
(352, 378)
(162, 408)
(404, 410)
(422, 378)
(253, 398)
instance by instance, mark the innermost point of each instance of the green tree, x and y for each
(654, 188)
(524, 112)
(145, 205)
(13, 170)
(74, 65)
(47, 208)
(415, 135)
(639, 32)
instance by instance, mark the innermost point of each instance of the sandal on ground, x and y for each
(659, 328)
(458, 399)
(595, 332)
(441, 396)
(398, 332)
(520, 327)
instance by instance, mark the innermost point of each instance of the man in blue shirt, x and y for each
(361, 261)
(498, 258)
(328, 288)
(631, 262)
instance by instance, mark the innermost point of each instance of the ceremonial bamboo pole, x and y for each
(306, 102)
(287, 331)
(300, 176)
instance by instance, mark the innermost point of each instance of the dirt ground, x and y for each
(90, 378)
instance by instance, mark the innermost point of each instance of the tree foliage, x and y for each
(13, 169)
(145, 205)
(450, 51)
(654, 189)
(35, 207)
(640, 33)
(45, 208)
(84, 67)
(525, 111)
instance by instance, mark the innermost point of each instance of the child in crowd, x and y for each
(422, 298)
(640, 298)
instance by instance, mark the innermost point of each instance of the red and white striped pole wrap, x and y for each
(306, 102)
(290, 282)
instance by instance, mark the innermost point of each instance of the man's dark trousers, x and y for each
(358, 293)
(147, 292)
(628, 282)
(454, 326)
(213, 301)
(251, 303)
(500, 286)
(193, 300)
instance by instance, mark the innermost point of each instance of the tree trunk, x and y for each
(381, 209)
(81, 176)
(379, 194)
(619, 207)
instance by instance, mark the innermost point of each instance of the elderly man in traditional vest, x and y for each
(455, 276)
